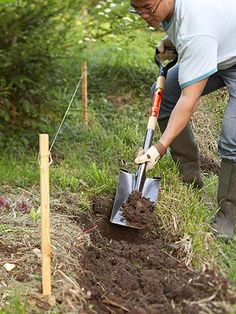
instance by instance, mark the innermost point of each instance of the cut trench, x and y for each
(130, 271)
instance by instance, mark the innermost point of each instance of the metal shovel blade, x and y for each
(125, 188)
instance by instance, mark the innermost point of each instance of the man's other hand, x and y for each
(151, 157)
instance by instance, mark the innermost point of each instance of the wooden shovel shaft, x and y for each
(152, 122)
(156, 103)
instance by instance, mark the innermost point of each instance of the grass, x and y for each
(20, 290)
(19, 170)
(17, 304)
(87, 161)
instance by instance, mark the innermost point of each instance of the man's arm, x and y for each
(179, 118)
(182, 112)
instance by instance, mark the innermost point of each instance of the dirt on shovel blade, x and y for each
(127, 270)
(138, 211)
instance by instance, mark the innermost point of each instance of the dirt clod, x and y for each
(138, 211)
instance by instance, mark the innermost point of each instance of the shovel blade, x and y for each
(125, 188)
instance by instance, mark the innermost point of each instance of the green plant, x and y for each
(33, 38)
(16, 304)
(35, 214)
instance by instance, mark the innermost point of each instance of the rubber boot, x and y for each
(225, 219)
(185, 153)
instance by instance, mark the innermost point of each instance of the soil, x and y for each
(126, 270)
(138, 211)
(209, 165)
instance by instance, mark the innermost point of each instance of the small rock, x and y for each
(37, 252)
(88, 295)
(9, 267)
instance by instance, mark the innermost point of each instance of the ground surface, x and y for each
(131, 271)
(98, 267)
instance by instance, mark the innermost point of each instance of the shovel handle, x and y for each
(154, 113)
(152, 122)
(160, 83)
(156, 102)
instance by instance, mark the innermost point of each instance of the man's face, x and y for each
(152, 11)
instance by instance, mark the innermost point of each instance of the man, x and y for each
(203, 33)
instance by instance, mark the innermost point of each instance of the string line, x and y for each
(67, 110)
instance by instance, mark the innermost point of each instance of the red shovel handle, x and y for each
(156, 102)
(154, 112)
(158, 93)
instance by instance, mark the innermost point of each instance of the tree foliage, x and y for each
(106, 20)
(35, 36)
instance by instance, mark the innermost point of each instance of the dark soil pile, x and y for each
(209, 165)
(138, 211)
(130, 271)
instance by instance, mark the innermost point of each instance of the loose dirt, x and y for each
(126, 270)
(138, 211)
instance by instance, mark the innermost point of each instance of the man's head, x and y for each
(154, 11)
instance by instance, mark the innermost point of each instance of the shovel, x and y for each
(129, 182)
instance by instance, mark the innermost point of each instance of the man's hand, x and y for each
(163, 46)
(151, 157)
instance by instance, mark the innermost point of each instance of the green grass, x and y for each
(9, 229)
(16, 304)
(21, 170)
(228, 260)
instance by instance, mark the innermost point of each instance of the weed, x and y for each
(35, 214)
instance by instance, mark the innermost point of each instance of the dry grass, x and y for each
(20, 244)
(207, 121)
(184, 216)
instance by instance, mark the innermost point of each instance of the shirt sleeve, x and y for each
(198, 60)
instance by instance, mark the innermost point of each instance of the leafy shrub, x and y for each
(37, 62)
(33, 38)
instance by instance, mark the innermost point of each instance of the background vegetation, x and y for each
(35, 46)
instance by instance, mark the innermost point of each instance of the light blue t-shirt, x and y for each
(204, 34)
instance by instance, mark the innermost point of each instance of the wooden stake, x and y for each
(45, 213)
(85, 93)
